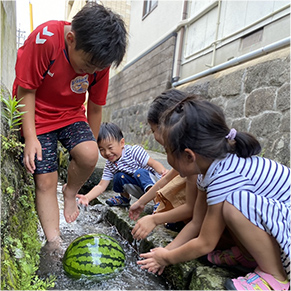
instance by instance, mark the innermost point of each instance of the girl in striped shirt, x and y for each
(247, 194)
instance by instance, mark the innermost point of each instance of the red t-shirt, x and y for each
(42, 64)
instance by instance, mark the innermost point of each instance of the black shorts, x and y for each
(69, 136)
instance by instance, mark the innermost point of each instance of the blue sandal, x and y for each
(118, 201)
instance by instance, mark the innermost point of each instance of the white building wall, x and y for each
(237, 18)
(215, 30)
(229, 29)
(144, 33)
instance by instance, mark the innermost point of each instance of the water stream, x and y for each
(91, 220)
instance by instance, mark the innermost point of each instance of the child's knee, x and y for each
(88, 161)
(86, 157)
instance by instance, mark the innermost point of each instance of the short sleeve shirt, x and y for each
(43, 65)
(255, 174)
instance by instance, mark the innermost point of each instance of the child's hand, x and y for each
(154, 260)
(82, 199)
(135, 210)
(143, 227)
(32, 149)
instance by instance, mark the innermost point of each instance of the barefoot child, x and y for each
(131, 168)
(57, 65)
(185, 188)
(249, 195)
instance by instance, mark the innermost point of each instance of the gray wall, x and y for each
(255, 96)
(133, 89)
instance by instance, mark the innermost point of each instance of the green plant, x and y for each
(11, 113)
(11, 144)
(20, 268)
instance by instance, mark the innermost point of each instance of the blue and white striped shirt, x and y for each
(133, 158)
(257, 175)
(259, 188)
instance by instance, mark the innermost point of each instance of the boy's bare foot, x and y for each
(71, 210)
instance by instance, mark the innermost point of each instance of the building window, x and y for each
(148, 7)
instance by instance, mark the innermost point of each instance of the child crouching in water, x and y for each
(131, 168)
(249, 195)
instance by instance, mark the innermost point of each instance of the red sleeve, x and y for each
(98, 90)
(34, 57)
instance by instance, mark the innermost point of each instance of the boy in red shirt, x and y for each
(57, 65)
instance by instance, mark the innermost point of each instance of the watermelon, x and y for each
(93, 254)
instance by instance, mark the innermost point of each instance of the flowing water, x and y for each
(91, 220)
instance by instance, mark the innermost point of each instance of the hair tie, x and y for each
(231, 135)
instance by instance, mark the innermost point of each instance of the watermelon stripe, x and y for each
(93, 270)
(86, 259)
(83, 241)
(111, 246)
(83, 250)
(76, 272)
(93, 249)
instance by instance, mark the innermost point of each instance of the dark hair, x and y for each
(164, 102)
(100, 33)
(200, 126)
(109, 130)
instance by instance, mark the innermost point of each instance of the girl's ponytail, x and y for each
(246, 145)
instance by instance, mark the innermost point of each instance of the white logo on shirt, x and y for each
(45, 31)
(50, 73)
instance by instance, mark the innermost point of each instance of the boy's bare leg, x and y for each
(263, 247)
(47, 204)
(84, 159)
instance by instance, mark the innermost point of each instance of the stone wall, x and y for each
(255, 97)
(132, 90)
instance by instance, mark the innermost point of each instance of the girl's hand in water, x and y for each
(82, 199)
(154, 261)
